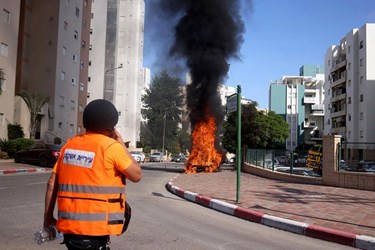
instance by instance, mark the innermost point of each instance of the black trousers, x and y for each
(78, 242)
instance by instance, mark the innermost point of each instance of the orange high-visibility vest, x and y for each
(89, 201)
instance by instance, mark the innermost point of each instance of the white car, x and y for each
(138, 156)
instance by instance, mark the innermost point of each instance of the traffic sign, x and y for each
(231, 103)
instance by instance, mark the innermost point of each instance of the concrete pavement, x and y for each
(344, 216)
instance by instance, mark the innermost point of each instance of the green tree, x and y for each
(259, 130)
(2, 78)
(34, 103)
(162, 109)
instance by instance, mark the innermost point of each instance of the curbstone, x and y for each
(314, 231)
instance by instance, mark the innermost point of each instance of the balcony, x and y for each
(338, 113)
(338, 63)
(317, 107)
(317, 113)
(338, 81)
(309, 124)
(309, 100)
(338, 97)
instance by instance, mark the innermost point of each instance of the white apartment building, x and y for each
(116, 61)
(9, 23)
(299, 100)
(350, 88)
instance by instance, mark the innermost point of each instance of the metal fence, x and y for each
(291, 162)
(352, 154)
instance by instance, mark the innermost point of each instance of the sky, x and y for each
(280, 37)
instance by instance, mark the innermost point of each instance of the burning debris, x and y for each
(207, 35)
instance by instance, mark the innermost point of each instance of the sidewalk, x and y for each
(345, 216)
(10, 167)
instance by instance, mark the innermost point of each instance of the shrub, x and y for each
(4, 155)
(15, 131)
(18, 144)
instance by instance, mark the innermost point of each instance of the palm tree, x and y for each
(34, 103)
(2, 78)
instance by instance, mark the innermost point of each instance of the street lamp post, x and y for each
(165, 115)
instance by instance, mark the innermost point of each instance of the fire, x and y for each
(204, 156)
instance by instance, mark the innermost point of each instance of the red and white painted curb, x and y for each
(314, 231)
(28, 170)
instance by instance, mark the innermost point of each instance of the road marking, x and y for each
(37, 183)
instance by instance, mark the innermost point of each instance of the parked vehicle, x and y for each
(138, 156)
(156, 157)
(298, 171)
(39, 153)
(178, 158)
(367, 166)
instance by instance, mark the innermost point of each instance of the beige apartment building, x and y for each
(116, 61)
(9, 22)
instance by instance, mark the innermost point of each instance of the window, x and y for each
(361, 98)
(74, 81)
(1, 119)
(81, 86)
(360, 44)
(77, 12)
(349, 117)
(90, 47)
(85, 3)
(83, 44)
(72, 105)
(76, 35)
(61, 101)
(3, 85)
(65, 26)
(74, 58)
(92, 15)
(71, 128)
(289, 106)
(60, 126)
(349, 134)
(361, 116)
(89, 63)
(361, 62)
(4, 50)
(80, 108)
(90, 31)
(6, 16)
(349, 83)
(349, 100)
(349, 66)
(361, 134)
(62, 75)
(64, 50)
(88, 95)
(82, 65)
(349, 48)
(79, 129)
(361, 80)
(89, 79)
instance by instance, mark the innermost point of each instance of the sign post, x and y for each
(233, 105)
(238, 155)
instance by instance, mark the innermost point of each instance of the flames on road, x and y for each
(204, 156)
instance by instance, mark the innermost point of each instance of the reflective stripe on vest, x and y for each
(91, 216)
(90, 189)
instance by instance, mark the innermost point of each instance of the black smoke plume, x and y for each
(207, 35)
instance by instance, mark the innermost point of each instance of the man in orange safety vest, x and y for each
(88, 181)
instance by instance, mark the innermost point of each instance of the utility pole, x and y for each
(165, 115)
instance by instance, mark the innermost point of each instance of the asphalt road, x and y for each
(160, 220)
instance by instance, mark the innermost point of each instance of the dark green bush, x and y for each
(4, 155)
(17, 144)
(15, 131)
